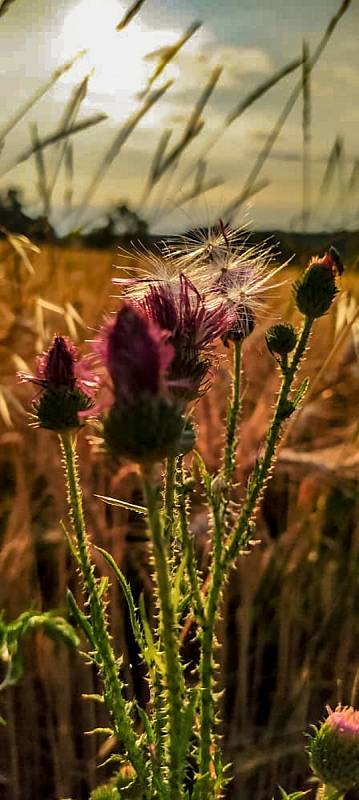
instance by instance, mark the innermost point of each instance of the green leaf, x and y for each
(301, 391)
(100, 731)
(12, 634)
(206, 478)
(177, 596)
(293, 795)
(102, 586)
(113, 501)
(136, 627)
(153, 654)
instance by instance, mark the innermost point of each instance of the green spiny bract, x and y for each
(334, 750)
(59, 410)
(149, 430)
(315, 290)
(281, 339)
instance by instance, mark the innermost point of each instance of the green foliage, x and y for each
(12, 635)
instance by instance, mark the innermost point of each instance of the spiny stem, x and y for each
(169, 497)
(207, 665)
(187, 545)
(262, 469)
(113, 689)
(232, 420)
(169, 636)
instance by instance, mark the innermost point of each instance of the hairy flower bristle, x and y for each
(192, 325)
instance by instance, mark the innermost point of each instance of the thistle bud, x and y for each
(334, 749)
(243, 326)
(315, 290)
(66, 384)
(144, 423)
(281, 339)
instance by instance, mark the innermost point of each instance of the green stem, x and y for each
(169, 636)
(207, 663)
(169, 497)
(113, 688)
(234, 408)
(261, 471)
(188, 549)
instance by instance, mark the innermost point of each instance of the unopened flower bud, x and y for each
(281, 339)
(67, 387)
(334, 749)
(243, 326)
(315, 290)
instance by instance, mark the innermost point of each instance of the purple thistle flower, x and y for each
(193, 326)
(334, 749)
(143, 422)
(67, 385)
(344, 720)
(136, 354)
(59, 368)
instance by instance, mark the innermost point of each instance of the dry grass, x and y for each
(290, 623)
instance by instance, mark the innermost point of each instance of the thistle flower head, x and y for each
(334, 749)
(315, 290)
(136, 354)
(67, 384)
(143, 422)
(193, 326)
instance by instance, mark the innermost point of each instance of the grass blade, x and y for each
(243, 196)
(274, 133)
(69, 174)
(42, 185)
(69, 116)
(167, 54)
(306, 129)
(39, 93)
(119, 140)
(55, 137)
(261, 89)
(5, 5)
(193, 127)
(128, 16)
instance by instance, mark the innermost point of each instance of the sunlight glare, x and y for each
(117, 58)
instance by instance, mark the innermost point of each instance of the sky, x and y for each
(250, 39)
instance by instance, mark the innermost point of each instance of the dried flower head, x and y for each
(67, 386)
(244, 325)
(334, 749)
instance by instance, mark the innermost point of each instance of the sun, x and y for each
(117, 59)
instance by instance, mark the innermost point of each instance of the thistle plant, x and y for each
(153, 360)
(334, 753)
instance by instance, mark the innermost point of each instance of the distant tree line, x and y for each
(122, 225)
